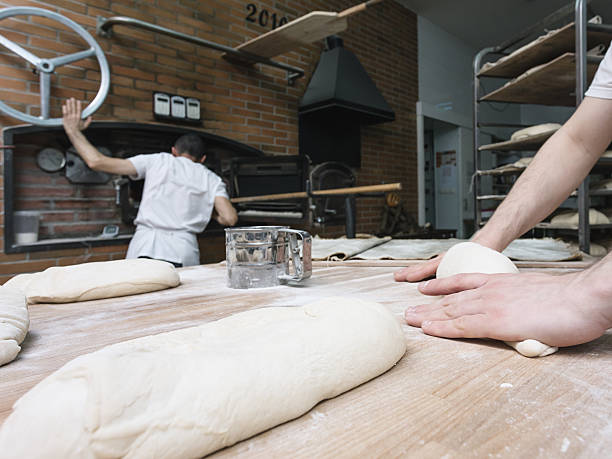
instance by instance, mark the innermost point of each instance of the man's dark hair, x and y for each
(191, 144)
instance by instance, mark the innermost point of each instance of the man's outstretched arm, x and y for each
(73, 125)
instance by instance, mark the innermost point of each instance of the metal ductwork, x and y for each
(340, 98)
(341, 85)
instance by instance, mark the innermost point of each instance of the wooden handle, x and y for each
(357, 8)
(332, 191)
(360, 189)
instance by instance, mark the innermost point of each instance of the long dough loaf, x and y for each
(14, 323)
(95, 280)
(190, 392)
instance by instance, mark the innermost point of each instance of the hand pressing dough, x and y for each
(92, 281)
(469, 257)
(14, 322)
(189, 392)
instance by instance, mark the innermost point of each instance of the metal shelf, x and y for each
(501, 197)
(554, 44)
(546, 85)
(501, 171)
(529, 144)
(546, 225)
(558, 79)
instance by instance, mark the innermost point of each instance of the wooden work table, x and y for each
(445, 397)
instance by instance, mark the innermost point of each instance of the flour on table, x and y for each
(92, 281)
(14, 322)
(190, 392)
(342, 248)
(469, 257)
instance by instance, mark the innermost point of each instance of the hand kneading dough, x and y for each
(104, 279)
(469, 257)
(189, 392)
(14, 322)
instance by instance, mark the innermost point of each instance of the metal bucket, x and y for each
(266, 256)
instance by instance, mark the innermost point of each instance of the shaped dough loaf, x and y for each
(569, 219)
(189, 392)
(14, 322)
(95, 280)
(531, 131)
(469, 257)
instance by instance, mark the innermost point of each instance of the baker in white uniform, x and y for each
(179, 198)
(557, 310)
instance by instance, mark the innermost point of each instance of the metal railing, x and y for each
(105, 25)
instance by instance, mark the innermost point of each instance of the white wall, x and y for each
(448, 202)
(537, 114)
(445, 76)
(445, 73)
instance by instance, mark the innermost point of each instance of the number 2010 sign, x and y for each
(263, 17)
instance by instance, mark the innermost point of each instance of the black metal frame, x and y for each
(581, 27)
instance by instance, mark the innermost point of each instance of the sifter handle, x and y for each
(302, 266)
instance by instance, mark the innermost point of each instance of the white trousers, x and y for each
(175, 246)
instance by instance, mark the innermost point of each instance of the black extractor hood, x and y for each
(342, 87)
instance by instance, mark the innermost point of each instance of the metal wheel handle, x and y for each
(46, 67)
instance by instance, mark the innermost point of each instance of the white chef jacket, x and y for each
(177, 202)
(601, 86)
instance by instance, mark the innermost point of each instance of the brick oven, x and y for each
(75, 203)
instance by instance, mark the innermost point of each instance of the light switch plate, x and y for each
(193, 108)
(177, 107)
(161, 104)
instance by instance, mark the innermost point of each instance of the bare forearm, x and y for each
(96, 160)
(90, 154)
(226, 220)
(556, 171)
(224, 213)
(73, 125)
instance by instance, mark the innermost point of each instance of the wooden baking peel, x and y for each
(304, 30)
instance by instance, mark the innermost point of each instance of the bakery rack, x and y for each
(552, 70)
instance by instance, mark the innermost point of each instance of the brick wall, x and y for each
(251, 105)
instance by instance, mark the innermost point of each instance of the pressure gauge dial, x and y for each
(50, 159)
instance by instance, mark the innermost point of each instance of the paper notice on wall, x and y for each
(446, 162)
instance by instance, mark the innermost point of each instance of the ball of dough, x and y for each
(469, 257)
